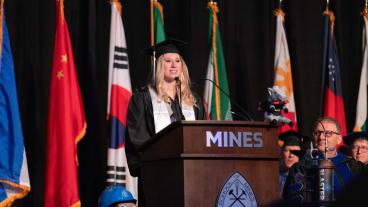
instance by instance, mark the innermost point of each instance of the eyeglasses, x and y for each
(326, 133)
(360, 149)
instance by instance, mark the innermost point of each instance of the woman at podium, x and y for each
(167, 99)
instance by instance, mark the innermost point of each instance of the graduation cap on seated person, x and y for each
(351, 137)
(293, 138)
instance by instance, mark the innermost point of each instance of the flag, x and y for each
(119, 90)
(66, 122)
(157, 32)
(283, 76)
(157, 23)
(361, 108)
(333, 98)
(14, 179)
(217, 103)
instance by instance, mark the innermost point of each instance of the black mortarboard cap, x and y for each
(351, 137)
(169, 45)
(293, 138)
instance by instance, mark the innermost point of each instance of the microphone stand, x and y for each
(153, 65)
(178, 92)
(326, 146)
(244, 113)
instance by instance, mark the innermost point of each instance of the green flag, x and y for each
(158, 23)
(157, 32)
(216, 100)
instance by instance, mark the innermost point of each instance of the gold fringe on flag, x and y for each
(155, 3)
(365, 10)
(213, 7)
(117, 4)
(23, 191)
(61, 7)
(329, 13)
(279, 12)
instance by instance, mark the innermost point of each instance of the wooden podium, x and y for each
(198, 163)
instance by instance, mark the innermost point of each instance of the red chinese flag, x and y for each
(66, 122)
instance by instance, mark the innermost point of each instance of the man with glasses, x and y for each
(327, 136)
(326, 139)
(358, 142)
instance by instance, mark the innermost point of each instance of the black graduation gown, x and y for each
(140, 125)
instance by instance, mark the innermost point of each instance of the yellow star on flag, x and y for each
(64, 58)
(60, 74)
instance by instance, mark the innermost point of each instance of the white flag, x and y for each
(361, 108)
(282, 67)
(119, 93)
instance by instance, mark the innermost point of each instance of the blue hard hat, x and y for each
(114, 194)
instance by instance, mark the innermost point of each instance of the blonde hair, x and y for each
(186, 93)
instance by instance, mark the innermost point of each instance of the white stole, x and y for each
(162, 111)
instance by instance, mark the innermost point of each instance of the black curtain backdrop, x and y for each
(248, 33)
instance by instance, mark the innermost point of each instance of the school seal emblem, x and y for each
(236, 192)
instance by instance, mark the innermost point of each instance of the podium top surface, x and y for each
(227, 139)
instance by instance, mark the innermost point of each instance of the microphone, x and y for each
(178, 92)
(244, 114)
(178, 82)
(313, 153)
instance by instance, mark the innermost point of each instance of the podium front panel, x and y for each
(195, 182)
(203, 187)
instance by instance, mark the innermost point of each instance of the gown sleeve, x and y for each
(139, 128)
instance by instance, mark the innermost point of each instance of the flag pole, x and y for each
(213, 7)
(151, 21)
(280, 4)
(325, 35)
(278, 11)
(327, 5)
(153, 44)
